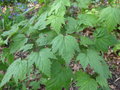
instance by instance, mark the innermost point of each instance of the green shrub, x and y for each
(61, 32)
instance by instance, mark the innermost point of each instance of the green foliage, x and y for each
(72, 25)
(117, 48)
(18, 42)
(87, 19)
(85, 81)
(62, 31)
(105, 38)
(38, 24)
(53, 19)
(61, 77)
(42, 60)
(83, 3)
(65, 46)
(17, 70)
(112, 19)
(45, 38)
(92, 58)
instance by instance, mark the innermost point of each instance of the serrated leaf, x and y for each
(41, 23)
(45, 38)
(87, 19)
(58, 4)
(103, 39)
(86, 41)
(102, 81)
(92, 58)
(65, 46)
(17, 70)
(10, 33)
(56, 22)
(110, 17)
(83, 3)
(72, 25)
(60, 78)
(26, 47)
(13, 30)
(18, 42)
(85, 82)
(42, 60)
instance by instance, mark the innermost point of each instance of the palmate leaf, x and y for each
(56, 22)
(14, 29)
(58, 4)
(92, 58)
(87, 19)
(45, 38)
(56, 14)
(60, 78)
(18, 42)
(65, 46)
(72, 25)
(102, 82)
(86, 41)
(83, 3)
(41, 23)
(41, 60)
(103, 39)
(85, 82)
(26, 47)
(10, 33)
(110, 17)
(17, 70)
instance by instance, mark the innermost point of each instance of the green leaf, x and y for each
(56, 22)
(10, 33)
(35, 85)
(72, 25)
(87, 19)
(60, 78)
(103, 39)
(13, 30)
(28, 26)
(102, 81)
(92, 58)
(41, 23)
(83, 3)
(3, 67)
(65, 46)
(45, 38)
(42, 60)
(110, 17)
(116, 47)
(1, 41)
(86, 41)
(26, 47)
(85, 82)
(18, 42)
(17, 70)
(58, 4)
(6, 55)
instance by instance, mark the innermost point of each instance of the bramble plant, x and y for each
(57, 35)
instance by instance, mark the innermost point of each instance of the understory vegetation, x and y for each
(41, 40)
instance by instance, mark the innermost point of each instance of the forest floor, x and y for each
(114, 65)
